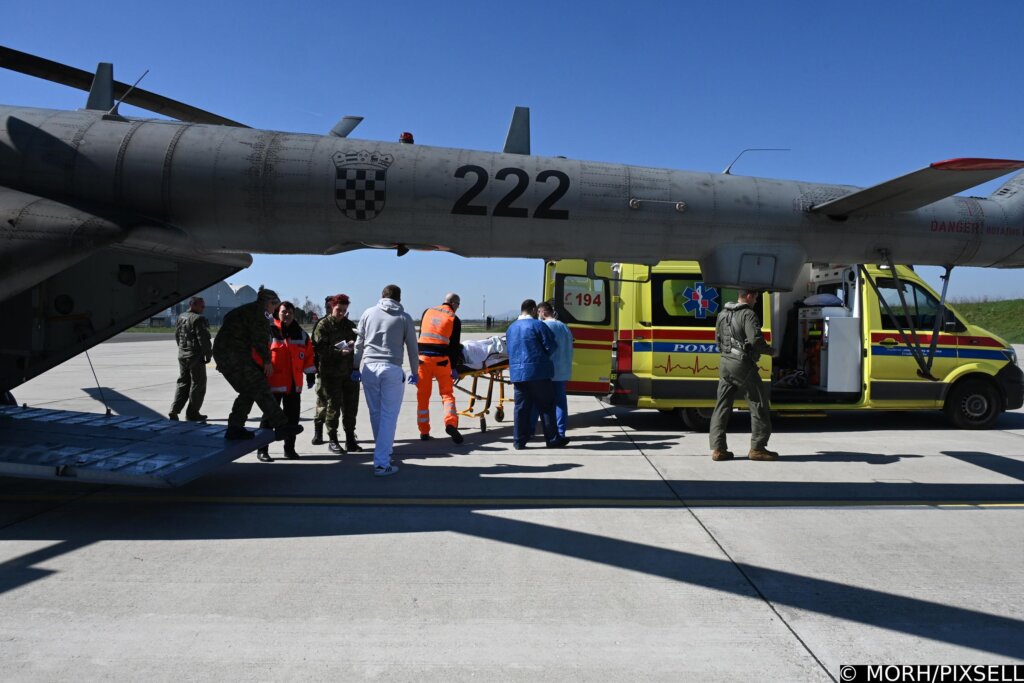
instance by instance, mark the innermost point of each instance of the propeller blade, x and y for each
(31, 65)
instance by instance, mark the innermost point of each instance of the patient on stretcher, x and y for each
(478, 354)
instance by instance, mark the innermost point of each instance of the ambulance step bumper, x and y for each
(625, 390)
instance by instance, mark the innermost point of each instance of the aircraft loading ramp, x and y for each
(117, 449)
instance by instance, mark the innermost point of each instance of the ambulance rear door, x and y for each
(583, 302)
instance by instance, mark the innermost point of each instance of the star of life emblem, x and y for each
(359, 185)
(700, 301)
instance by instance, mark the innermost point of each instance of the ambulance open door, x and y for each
(582, 299)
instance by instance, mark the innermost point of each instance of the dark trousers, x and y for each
(561, 410)
(291, 405)
(740, 379)
(532, 398)
(191, 387)
(248, 380)
(334, 396)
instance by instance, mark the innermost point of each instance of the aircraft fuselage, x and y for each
(240, 189)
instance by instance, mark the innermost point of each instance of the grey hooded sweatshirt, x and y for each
(383, 330)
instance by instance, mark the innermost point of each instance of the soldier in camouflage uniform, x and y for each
(243, 337)
(333, 341)
(192, 332)
(320, 412)
(739, 338)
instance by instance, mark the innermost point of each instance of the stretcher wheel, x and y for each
(499, 414)
(483, 424)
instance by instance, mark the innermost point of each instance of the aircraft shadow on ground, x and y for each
(121, 404)
(847, 456)
(149, 519)
(996, 463)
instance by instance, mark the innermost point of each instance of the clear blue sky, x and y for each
(860, 92)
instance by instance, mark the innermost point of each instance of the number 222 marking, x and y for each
(504, 207)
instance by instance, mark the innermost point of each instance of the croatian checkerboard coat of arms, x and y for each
(360, 186)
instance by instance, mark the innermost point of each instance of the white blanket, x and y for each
(478, 351)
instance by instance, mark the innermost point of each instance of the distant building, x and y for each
(220, 298)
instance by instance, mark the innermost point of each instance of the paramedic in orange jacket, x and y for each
(440, 331)
(291, 357)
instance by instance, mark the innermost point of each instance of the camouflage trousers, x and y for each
(337, 396)
(248, 380)
(191, 387)
(740, 379)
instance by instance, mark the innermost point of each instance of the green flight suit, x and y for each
(336, 393)
(247, 329)
(739, 338)
(192, 332)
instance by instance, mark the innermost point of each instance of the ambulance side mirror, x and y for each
(950, 323)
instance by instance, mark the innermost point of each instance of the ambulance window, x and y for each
(686, 301)
(921, 306)
(580, 299)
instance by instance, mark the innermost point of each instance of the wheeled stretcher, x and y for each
(484, 359)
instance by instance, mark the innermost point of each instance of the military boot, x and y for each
(289, 449)
(722, 454)
(762, 454)
(318, 433)
(238, 433)
(351, 444)
(263, 454)
(332, 443)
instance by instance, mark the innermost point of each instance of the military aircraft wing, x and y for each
(77, 78)
(920, 188)
(117, 449)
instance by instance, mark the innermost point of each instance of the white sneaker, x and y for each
(385, 471)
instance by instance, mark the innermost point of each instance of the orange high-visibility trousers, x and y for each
(435, 367)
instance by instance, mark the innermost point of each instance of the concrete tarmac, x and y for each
(628, 555)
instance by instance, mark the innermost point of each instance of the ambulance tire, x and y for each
(973, 404)
(696, 419)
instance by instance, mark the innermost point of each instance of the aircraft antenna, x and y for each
(753, 149)
(98, 387)
(113, 110)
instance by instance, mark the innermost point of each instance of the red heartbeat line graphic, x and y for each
(695, 369)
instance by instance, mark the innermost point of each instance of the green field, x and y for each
(1003, 318)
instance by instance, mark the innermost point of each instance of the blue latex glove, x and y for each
(455, 374)
(310, 380)
(354, 376)
(413, 379)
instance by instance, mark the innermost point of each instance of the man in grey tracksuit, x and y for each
(383, 331)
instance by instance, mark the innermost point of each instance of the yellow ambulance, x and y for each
(848, 337)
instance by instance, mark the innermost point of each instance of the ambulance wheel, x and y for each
(973, 404)
(499, 414)
(696, 419)
(483, 424)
